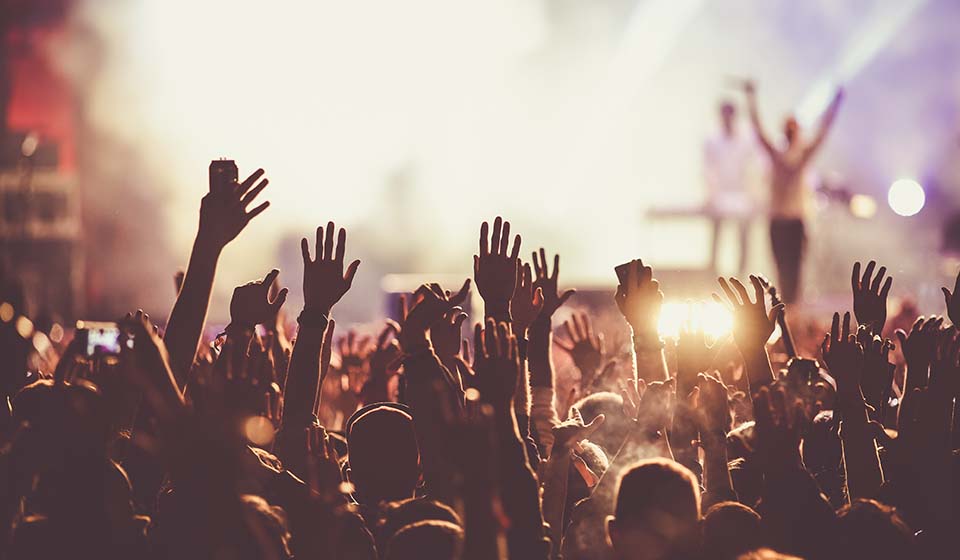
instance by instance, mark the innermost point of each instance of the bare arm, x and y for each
(223, 216)
(324, 284)
(754, 112)
(826, 122)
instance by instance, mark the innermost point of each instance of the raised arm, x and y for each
(639, 299)
(751, 92)
(324, 283)
(497, 365)
(543, 413)
(752, 327)
(223, 215)
(826, 122)
(844, 357)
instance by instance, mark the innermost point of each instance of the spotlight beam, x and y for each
(871, 37)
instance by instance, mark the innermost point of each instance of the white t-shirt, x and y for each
(731, 169)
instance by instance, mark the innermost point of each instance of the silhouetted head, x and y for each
(657, 512)
(791, 129)
(870, 529)
(731, 529)
(437, 540)
(383, 454)
(397, 515)
(616, 423)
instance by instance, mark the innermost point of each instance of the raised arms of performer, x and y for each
(751, 90)
(826, 122)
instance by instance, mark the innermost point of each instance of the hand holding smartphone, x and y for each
(223, 174)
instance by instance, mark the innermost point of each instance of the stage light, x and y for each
(715, 320)
(906, 197)
(863, 206)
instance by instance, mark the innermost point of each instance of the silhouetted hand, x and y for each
(251, 304)
(640, 300)
(953, 303)
(447, 335)
(430, 304)
(527, 301)
(242, 381)
(223, 211)
(324, 280)
(752, 323)
(945, 367)
(584, 346)
(780, 424)
(496, 364)
(547, 283)
(495, 268)
(713, 410)
(655, 408)
(843, 356)
(918, 349)
(870, 296)
(694, 356)
(878, 372)
(572, 431)
(384, 366)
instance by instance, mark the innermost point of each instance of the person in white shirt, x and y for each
(729, 163)
(790, 191)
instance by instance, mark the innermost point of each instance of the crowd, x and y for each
(270, 442)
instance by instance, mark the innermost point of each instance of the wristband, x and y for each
(313, 318)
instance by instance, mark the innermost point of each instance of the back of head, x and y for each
(657, 512)
(436, 540)
(383, 454)
(615, 425)
(870, 529)
(731, 529)
(397, 515)
(766, 554)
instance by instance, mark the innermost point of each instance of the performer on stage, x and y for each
(730, 161)
(789, 190)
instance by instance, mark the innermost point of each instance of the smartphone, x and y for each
(101, 338)
(622, 271)
(223, 173)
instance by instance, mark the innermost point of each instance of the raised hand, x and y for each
(384, 366)
(877, 379)
(354, 351)
(324, 280)
(945, 367)
(752, 323)
(251, 304)
(870, 296)
(780, 424)
(572, 431)
(953, 303)
(918, 349)
(495, 268)
(584, 346)
(527, 301)
(547, 283)
(447, 335)
(694, 356)
(640, 300)
(713, 410)
(496, 364)
(223, 211)
(844, 357)
(431, 303)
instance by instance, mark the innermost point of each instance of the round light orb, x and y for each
(906, 197)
